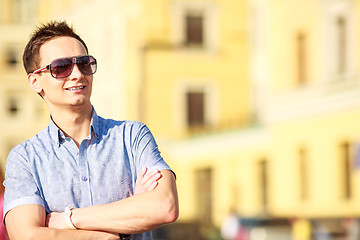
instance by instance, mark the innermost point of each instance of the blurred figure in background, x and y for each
(351, 226)
(321, 233)
(231, 228)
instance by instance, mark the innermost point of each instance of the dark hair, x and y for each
(44, 33)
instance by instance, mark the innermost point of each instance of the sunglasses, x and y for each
(63, 67)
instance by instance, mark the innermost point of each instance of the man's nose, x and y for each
(76, 73)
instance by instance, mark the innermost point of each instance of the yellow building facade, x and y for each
(254, 104)
(22, 111)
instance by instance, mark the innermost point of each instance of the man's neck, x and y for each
(73, 121)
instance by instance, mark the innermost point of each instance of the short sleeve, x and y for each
(20, 186)
(145, 150)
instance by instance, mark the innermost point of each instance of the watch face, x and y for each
(125, 236)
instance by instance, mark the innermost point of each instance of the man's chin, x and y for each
(80, 103)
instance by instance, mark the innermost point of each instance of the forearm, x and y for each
(136, 214)
(44, 233)
(27, 222)
(129, 216)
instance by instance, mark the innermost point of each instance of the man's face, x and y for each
(74, 90)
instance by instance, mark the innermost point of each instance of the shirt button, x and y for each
(84, 179)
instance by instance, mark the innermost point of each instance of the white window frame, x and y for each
(333, 10)
(210, 24)
(211, 102)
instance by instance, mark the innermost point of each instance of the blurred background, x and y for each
(255, 104)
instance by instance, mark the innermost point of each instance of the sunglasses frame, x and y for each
(74, 60)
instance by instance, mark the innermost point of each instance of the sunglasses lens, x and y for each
(87, 65)
(61, 68)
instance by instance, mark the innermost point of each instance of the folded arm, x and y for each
(27, 222)
(139, 213)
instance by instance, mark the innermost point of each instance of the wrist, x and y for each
(67, 215)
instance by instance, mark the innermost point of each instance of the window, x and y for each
(195, 25)
(204, 191)
(194, 29)
(339, 41)
(13, 107)
(301, 58)
(23, 11)
(197, 106)
(303, 167)
(12, 57)
(341, 44)
(195, 109)
(345, 168)
(263, 167)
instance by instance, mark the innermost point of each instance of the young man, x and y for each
(83, 177)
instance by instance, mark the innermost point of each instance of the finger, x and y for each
(142, 173)
(156, 177)
(149, 175)
(152, 180)
(152, 186)
(139, 181)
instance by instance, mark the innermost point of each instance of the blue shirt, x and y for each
(51, 171)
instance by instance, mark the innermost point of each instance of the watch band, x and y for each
(124, 236)
(67, 215)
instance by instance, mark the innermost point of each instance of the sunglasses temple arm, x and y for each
(41, 69)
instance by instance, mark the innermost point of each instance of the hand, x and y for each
(147, 181)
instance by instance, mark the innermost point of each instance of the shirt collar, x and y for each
(59, 136)
(55, 133)
(95, 124)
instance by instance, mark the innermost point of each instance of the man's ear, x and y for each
(34, 83)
